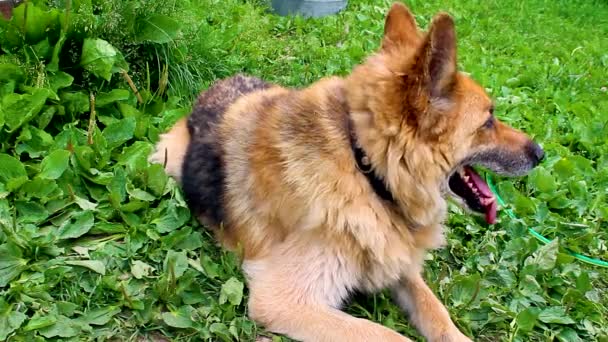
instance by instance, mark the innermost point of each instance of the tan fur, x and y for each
(311, 227)
(174, 144)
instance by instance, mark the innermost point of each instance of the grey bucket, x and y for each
(308, 8)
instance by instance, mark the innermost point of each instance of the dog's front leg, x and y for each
(297, 289)
(425, 310)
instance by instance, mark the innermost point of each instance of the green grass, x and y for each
(96, 244)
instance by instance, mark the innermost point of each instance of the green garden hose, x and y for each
(538, 236)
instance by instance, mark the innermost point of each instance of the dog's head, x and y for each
(426, 125)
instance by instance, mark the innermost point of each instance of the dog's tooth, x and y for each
(487, 200)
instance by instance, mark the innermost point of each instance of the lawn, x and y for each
(97, 244)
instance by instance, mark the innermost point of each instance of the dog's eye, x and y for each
(489, 123)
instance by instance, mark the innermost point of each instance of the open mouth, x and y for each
(474, 191)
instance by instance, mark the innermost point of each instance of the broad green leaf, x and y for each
(38, 188)
(6, 217)
(118, 133)
(84, 204)
(19, 109)
(85, 156)
(507, 278)
(42, 49)
(564, 168)
(173, 218)
(232, 292)
(39, 321)
(11, 72)
(30, 212)
(100, 316)
(583, 164)
(75, 102)
(140, 269)
(192, 242)
(546, 256)
(63, 327)
(33, 141)
(107, 228)
(11, 169)
(142, 127)
(555, 314)
(10, 320)
(141, 195)
(583, 283)
(542, 180)
(33, 19)
(157, 29)
(526, 319)
(77, 226)
(133, 206)
(11, 263)
(55, 164)
(157, 179)
(569, 335)
(94, 265)
(100, 58)
(211, 268)
(128, 111)
(464, 289)
(530, 288)
(66, 308)
(115, 95)
(179, 319)
(523, 205)
(221, 330)
(60, 80)
(118, 186)
(135, 157)
(175, 263)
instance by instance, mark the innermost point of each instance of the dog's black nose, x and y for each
(535, 152)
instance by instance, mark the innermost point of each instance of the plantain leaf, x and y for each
(157, 29)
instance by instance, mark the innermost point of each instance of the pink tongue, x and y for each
(491, 213)
(479, 183)
(483, 188)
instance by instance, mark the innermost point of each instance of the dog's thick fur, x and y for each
(271, 170)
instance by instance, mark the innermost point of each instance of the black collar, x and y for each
(365, 167)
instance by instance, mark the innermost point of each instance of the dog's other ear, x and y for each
(434, 73)
(437, 57)
(399, 28)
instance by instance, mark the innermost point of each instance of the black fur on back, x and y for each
(203, 168)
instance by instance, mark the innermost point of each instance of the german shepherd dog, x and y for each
(341, 186)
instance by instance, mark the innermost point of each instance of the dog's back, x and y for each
(191, 151)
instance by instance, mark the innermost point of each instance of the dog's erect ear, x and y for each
(437, 57)
(400, 27)
(434, 72)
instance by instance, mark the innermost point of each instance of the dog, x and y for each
(341, 186)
